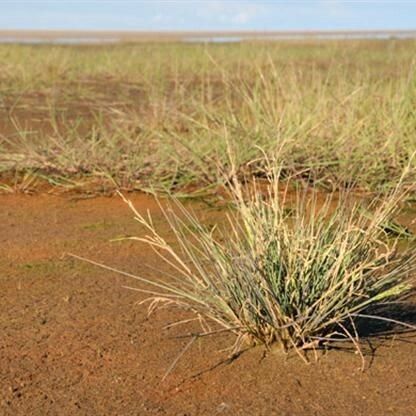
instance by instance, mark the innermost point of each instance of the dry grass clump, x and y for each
(298, 277)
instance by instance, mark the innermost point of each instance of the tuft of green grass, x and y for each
(298, 278)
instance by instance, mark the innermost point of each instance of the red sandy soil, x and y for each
(75, 342)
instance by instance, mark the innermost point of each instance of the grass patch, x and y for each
(157, 116)
(299, 277)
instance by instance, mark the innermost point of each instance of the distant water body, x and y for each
(108, 38)
(326, 36)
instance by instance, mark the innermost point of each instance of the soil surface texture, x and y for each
(75, 341)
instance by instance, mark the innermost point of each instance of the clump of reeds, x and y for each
(297, 277)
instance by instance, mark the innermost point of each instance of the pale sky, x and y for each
(208, 14)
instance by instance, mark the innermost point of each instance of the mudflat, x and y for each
(166, 35)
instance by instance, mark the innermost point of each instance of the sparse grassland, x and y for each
(308, 150)
(141, 116)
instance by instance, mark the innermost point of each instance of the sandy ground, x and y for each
(75, 342)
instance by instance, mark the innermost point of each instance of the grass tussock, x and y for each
(298, 277)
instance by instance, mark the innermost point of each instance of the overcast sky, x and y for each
(208, 14)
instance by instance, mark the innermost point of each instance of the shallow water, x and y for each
(300, 36)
